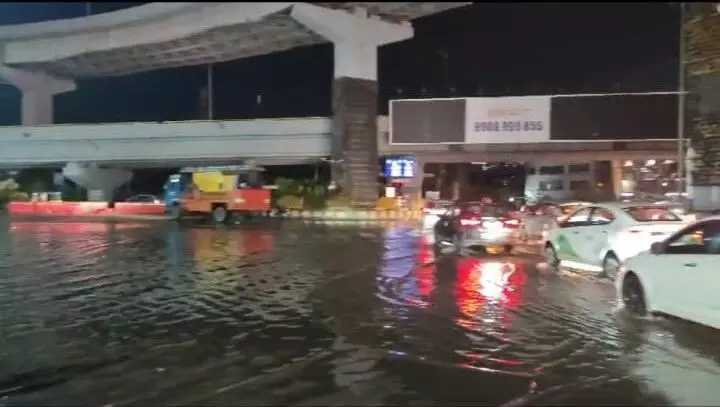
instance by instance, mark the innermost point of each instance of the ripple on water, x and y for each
(172, 306)
(497, 316)
(309, 315)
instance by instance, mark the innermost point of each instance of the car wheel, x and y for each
(458, 243)
(220, 214)
(174, 212)
(437, 243)
(551, 257)
(633, 296)
(611, 266)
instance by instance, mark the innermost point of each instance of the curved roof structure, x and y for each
(169, 35)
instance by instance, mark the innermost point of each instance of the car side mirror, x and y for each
(657, 248)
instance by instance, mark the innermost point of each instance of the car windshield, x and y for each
(651, 214)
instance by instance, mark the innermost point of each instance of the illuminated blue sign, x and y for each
(400, 167)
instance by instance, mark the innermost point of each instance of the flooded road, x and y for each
(292, 314)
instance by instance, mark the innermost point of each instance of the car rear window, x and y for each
(567, 209)
(487, 211)
(652, 214)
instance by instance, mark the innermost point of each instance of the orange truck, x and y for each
(218, 192)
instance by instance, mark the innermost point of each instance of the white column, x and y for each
(689, 169)
(616, 175)
(37, 91)
(101, 183)
(37, 108)
(356, 37)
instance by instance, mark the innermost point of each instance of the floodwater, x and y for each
(291, 314)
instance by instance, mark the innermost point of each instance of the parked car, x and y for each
(598, 237)
(678, 276)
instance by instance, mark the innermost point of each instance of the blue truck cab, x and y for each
(174, 189)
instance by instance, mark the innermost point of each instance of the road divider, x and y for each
(129, 209)
(355, 215)
(84, 209)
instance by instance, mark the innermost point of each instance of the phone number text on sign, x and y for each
(525, 126)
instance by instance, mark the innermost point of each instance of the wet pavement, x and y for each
(292, 314)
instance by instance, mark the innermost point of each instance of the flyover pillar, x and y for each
(37, 92)
(702, 124)
(356, 38)
(100, 183)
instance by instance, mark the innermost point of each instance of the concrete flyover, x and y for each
(44, 59)
(269, 141)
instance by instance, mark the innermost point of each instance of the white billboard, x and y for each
(510, 119)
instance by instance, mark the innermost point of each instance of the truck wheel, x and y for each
(220, 214)
(174, 212)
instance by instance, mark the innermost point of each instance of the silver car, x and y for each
(478, 224)
(538, 219)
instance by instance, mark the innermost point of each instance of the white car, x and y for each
(599, 237)
(434, 209)
(678, 276)
(540, 218)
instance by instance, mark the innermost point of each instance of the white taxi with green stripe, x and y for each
(598, 237)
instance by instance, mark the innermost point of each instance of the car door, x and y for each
(690, 265)
(596, 234)
(568, 239)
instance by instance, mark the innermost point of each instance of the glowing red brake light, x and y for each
(429, 205)
(512, 223)
(470, 222)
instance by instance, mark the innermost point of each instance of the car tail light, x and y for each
(429, 205)
(511, 223)
(470, 222)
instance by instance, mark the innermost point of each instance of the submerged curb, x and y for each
(354, 215)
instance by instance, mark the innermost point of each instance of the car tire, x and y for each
(174, 212)
(551, 257)
(457, 242)
(610, 266)
(633, 296)
(437, 244)
(220, 214)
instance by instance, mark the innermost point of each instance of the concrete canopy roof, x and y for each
(170, 35)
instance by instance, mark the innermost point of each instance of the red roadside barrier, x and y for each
(137, 208)
(84, 208)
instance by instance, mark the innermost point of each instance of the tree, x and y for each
(8, 188)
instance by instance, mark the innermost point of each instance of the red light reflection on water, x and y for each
(213, 245)
(73, 228)
(488, 290)
(425, 270)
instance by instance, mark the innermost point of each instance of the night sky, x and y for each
(490, 49)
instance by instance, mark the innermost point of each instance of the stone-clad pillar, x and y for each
(356, 38)
(354, 138)
(702, 62)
